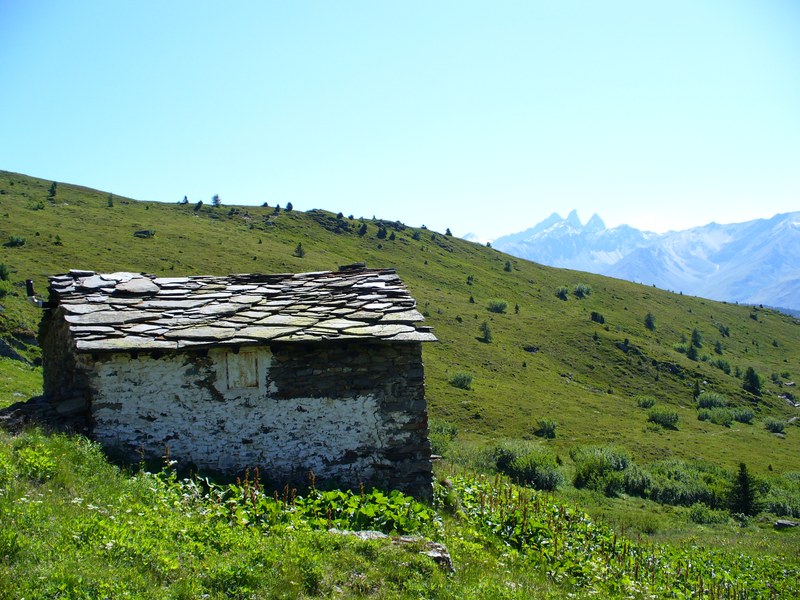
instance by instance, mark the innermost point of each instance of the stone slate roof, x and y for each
(132, 311)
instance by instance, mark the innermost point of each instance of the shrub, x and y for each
(461, 380)
(600, 468)
(529, 463)
(774, 425)
(720, 416)
(507, 268)
(441, 434)
(702, 514)
(783, 496)
(663, 416)
(645, 401)
(722, 364)
(650, 321)
(682, 483)
(711, 400)
(15, 241)
(681, 347)
(497, 306)
(742, 415)
(486, 332)
(5, 272)
(582, 290)
(547, 428)
(597, 317)
(562, 292)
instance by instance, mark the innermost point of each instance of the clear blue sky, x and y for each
(479, 116)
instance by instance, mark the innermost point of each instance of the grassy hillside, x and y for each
(73, 525)
(549, 360)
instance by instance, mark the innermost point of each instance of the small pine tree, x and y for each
(507, 268)
(198, 206)
(486, 332)
(718, 347)
(185, 200)
(697, 339)
(650, 322)
(696, 390)
(277, 209)
(110, 201)
(215, 201)
(299, 252)
(751, 382)
(51, 193)
(742, 499)
(381, 232)
(447, 232)
(362, 231)
(691, 353)
(289, 207)
(5, 272)
(392, 237)
(516, 309)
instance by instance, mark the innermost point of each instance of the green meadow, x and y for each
(629, 408)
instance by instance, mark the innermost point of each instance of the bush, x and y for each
(15, 241)
(702, 514)
(497, 306)
(722, 364)
(719, 416)
(774, 425)
(582, 290)
(486, 332)
(783, 497)
(665, 417)
(529, 463)
(600, 468)
(441, 434)
(5, 272)
(742, 415)
(597, 317)
(562, 292)
(650, 322)
(547, 428)
(711, 400)
(681, 483)
(645, 401)
(461, 380)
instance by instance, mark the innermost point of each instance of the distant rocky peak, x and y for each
(595, 224)
(574, 220)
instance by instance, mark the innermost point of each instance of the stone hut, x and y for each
(289, 373)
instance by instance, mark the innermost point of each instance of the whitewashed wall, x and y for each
(227, 412)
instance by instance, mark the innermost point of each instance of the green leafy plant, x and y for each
(546, 428)
(528, 463)
(666, 417)
(645, 401)
(774, 425)
(461, 380)
(582, 290)
(711, 400)
(497, 306)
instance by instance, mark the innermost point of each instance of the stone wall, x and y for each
(66, 386)
(351, 412)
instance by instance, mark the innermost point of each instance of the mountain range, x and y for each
(756, 262)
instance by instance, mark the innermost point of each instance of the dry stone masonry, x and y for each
(289, 373)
